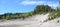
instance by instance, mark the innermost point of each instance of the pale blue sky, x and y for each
(14, 6)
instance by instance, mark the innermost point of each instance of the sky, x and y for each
(21, 6)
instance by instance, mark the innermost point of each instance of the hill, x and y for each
(40, 9)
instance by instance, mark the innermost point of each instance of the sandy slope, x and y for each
(34, 21)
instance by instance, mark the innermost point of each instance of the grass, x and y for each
(54, 15)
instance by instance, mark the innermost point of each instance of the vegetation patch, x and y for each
(40, 9)
(54, 15)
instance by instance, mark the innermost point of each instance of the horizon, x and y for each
(22, 6)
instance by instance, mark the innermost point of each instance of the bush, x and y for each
(54, 15)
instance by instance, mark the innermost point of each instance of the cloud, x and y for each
(54, 5)
(50, 3)
(32, 2)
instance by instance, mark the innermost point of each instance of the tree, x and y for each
(42, 9)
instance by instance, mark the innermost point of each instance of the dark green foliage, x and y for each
(11, 16)
(43, 9)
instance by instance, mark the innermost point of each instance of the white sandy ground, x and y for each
(33, 21)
